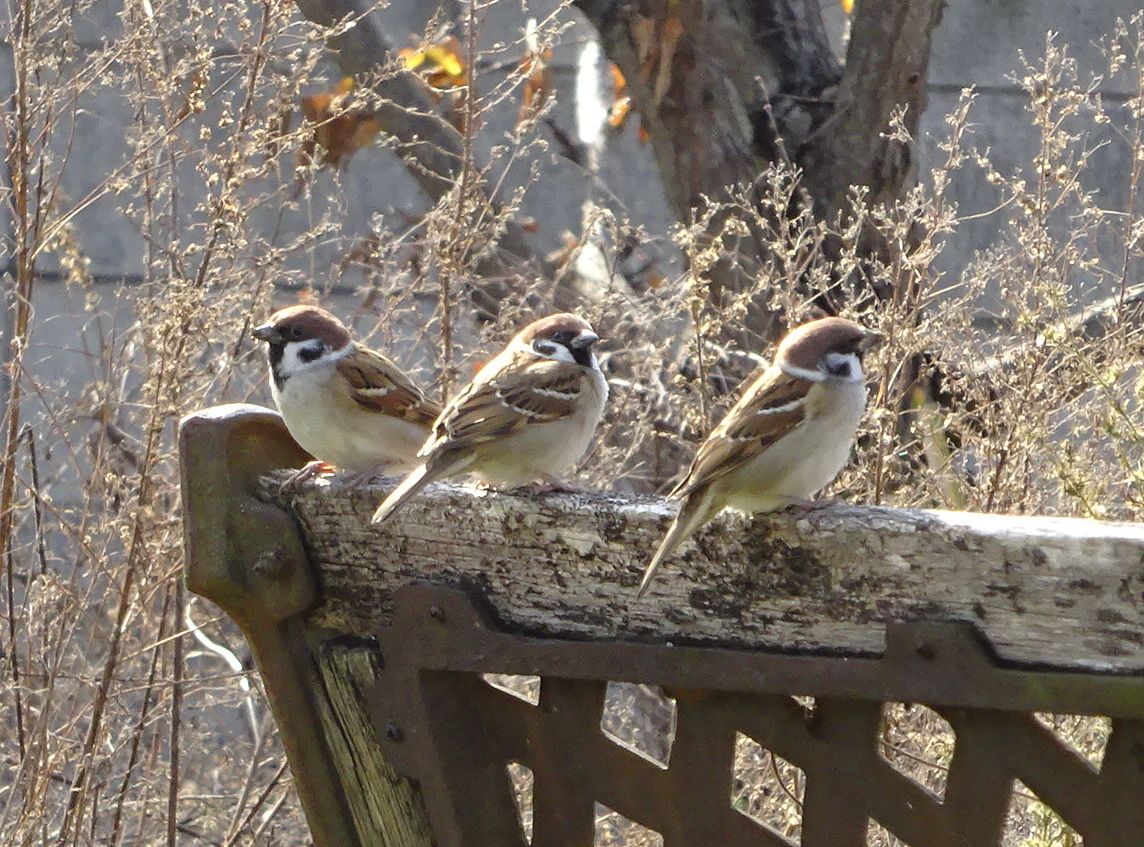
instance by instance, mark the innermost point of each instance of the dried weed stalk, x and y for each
(127, 709)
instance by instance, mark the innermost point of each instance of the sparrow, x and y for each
(528, 415)
(785, 439)
(345, 404)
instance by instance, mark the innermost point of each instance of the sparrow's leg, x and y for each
(308, 470)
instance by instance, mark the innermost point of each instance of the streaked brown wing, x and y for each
(773, 406)
(522, 391)
(378, 384)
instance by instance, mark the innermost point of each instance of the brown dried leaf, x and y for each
(339, 132)
(537, 70)
(621, 100)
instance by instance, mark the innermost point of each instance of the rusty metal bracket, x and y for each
(247, 556)
(443, 726)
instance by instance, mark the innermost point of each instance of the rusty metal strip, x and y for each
(563, 800)
(700, 780)
(830, 816)
(779, 724)
(454, 734)
(1122, 785)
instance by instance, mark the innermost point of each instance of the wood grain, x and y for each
(386, 809)
(1064, 593)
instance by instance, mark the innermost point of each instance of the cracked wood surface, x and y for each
(1055, 592)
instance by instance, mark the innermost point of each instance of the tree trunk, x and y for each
(724, 88)
(887, 67)
(751, 82)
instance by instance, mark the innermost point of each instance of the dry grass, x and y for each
(127, 706)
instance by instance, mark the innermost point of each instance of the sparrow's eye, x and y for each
(295, 332)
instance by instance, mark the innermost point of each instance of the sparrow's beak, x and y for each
(586, 338)
(872, 339)
(268, 333)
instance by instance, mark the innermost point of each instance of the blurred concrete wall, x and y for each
(977, 44)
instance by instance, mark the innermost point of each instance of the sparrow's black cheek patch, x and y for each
(582, 356)
(309, 354)
(839, 369)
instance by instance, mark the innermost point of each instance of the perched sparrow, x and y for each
(787, 437)
(528, 414)
(345, 404)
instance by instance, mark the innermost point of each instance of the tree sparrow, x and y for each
(344, 404)
(787, 437)
(528, 414)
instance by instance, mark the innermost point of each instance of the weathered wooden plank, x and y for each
(1058, 592)
(386, 809)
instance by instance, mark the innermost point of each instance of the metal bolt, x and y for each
(393, 732)
(273, 563)
(437, 614)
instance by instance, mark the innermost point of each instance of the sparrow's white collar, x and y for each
(548, 349)
(802, 373)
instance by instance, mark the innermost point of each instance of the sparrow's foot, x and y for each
(307, 471)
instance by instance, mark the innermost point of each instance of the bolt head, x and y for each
(274, 563)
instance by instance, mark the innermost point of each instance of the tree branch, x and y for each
(886, 70)
(431, 148)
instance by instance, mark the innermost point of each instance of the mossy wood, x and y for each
(987, 618)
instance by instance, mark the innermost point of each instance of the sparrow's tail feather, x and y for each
(697, 509)
(438, 465)
(413, 483)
